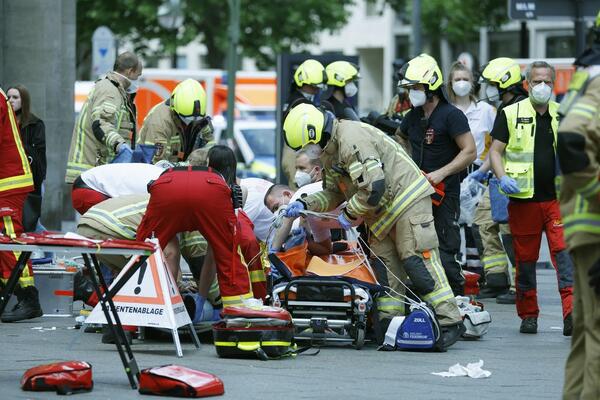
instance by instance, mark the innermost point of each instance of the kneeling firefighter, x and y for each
(381, 184)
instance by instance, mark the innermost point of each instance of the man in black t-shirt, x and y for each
(442, 147)
(523, 158)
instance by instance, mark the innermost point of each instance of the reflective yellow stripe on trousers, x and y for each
(25, 279)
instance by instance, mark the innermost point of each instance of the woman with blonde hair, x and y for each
(481, 115)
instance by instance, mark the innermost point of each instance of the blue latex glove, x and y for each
(478, 175)
(199, 302)
(344, 222)
(509, 185)
(124, 155)
(293, 209)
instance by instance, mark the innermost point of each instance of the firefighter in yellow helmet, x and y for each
(178, 125)
(579, 156)
(309, 81)
(503, 80)
(442, 147)
(368, 169)
(342, 79)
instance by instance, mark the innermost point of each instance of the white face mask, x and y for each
(134, 85)
(350, 89)
(540, 93)
(308, 96)
(461, 88)
(417, 97)
(302, 178)
(492, 93)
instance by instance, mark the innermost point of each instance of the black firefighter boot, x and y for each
(27, 307)
(495, 285)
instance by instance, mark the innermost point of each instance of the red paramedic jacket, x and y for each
(15, 173)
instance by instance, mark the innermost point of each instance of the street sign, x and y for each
(552, 9)
(104, 51)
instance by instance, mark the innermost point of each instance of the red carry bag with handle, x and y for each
(178, 381)
(63, 377)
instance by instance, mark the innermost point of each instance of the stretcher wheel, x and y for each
(359, 341)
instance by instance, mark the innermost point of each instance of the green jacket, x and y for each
(371, 171)
(163, 128)
(579, 155)
(107, 119)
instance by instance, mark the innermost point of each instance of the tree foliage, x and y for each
(267, 27)
(458, 20)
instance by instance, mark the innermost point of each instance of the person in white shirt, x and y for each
(254, 206)
(481, 118)
(279, 196)
(111, 180)
(480, 115)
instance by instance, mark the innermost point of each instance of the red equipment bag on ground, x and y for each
(265, 332)
(65, 377)
(471, 283)
(178, 381)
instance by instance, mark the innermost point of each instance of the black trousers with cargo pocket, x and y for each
(446, 225)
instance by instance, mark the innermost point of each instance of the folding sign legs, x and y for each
(112, 318)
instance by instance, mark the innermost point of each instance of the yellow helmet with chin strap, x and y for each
(303, 125)
(339, 73)
(503, 71)
(310, 72)
(422, 69)
(189, 99)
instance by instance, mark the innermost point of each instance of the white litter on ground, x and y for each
(472, 370)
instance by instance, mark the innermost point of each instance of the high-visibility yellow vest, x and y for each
(518, 156)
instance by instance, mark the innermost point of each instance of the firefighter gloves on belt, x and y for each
(509, 185)
(594, 274)
(293, 209)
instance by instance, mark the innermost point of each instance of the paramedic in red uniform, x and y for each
(199, 198)
(15, 182)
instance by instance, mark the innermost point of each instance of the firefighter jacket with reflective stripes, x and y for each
(106, 120)
(119, 218)
(164, 129)
(579, 156)
(368, 169)
(518, 156)
(15, 173)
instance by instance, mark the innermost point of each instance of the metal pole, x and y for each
(416, 26)
(234, 36)
(524, 39)
(579, 27)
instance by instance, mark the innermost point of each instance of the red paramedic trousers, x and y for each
(527, 221)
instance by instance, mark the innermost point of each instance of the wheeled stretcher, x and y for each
(329, 297)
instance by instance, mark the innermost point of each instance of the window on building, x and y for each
(504, 44)
(560, 46)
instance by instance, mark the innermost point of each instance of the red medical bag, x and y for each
(175, 380)
(265, 333)
(64, 377)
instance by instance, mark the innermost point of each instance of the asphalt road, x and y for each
(522, 366)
